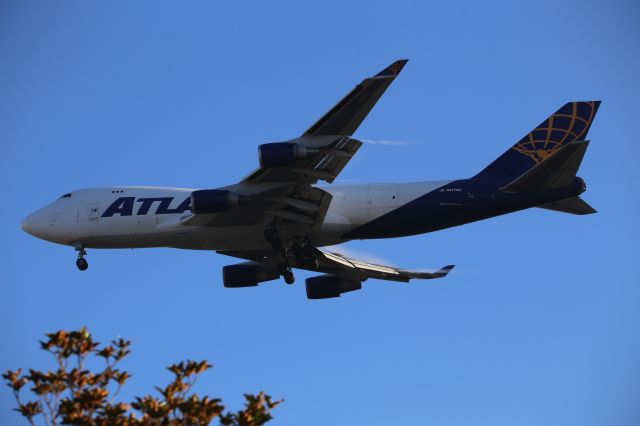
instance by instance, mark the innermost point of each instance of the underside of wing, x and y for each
(302, 206)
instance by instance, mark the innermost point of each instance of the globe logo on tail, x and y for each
(568, 124)
(538, 150)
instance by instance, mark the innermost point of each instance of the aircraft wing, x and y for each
(331, 134)
(341, 265)
(284, 192)
(338, 264)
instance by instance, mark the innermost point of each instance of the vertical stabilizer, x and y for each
(569, 124)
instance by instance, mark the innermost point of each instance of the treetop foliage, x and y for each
(74, 395)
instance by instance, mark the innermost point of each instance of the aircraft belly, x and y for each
(195, 238)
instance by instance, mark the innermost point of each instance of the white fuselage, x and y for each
(153, 217)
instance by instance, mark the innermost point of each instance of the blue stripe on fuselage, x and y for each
(459, 202)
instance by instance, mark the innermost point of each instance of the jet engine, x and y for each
(283, 153)
(248, 274)
(326, 286)
(215, 200)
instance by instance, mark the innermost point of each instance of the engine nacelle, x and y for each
(246, 274)
(283, 153)
(215, 200)
(326, 286)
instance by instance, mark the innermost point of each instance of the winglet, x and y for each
(393, 69)
(440, 273)
(444, 271)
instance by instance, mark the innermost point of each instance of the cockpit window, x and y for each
(66, 196)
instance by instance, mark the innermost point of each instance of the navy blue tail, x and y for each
(569, 124)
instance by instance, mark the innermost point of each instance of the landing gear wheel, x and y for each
(285, 271)
(82, 264)
(289, 278)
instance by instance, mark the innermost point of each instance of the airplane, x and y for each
(277, 218)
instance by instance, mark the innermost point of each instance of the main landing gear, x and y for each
(81, 263)
(285, 271)
(304, 253)
(273, 237)
(299, 249)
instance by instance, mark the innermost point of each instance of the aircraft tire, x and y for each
(289, 278)
(82, 264)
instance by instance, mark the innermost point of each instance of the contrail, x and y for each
(389, 142)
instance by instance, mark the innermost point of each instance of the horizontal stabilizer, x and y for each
(574, 205)
(557, 171)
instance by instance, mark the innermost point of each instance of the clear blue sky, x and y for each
(538, 325)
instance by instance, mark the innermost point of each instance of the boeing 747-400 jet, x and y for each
(277, 218)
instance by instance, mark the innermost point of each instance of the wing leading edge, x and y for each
(330, 137)
(345, 117)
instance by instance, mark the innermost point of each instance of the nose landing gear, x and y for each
(81, 263)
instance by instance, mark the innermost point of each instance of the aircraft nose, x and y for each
(25, 225)
(37, 224)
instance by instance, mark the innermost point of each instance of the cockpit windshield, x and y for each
(66, 195)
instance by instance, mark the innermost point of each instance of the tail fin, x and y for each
(568, 125)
